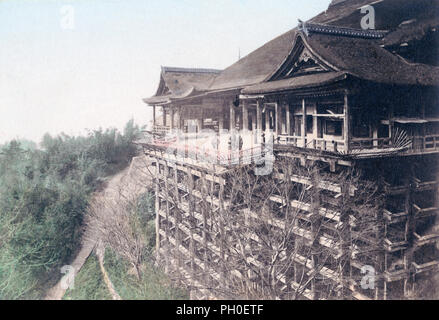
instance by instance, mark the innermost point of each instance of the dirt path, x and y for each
(129, 181)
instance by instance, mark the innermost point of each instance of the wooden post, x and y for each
(288, 120)
(164, 116)
(154, 117)
(221, 123)
(157, 210)
(277, 119)
(200, 124)
(316, 222)
(244, 116)
(179, 126)
(259, 115)
(391, 122)
(304, 122)
(172, 119)
(222, 237)
(232, 118)
(374, 135)
(178, 217)
(168, 213)
(380, 236)
(267, 119)
(258, 119)
(205, 227)
(191, 212)
(347, 122)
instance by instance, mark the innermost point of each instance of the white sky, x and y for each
(59, 80)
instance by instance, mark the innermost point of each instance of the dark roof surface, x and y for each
(295, 83)
(258, 65)
(366, 60)
(182, 82)
(363, 58)
(255, 67)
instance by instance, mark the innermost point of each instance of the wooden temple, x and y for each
(326, 92)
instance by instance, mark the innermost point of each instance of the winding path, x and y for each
(126, 181)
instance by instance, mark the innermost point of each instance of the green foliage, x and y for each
(43, 196)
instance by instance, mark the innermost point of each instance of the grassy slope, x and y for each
(89, 284)
(154, 285)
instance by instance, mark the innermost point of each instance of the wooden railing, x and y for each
(161, 129)
(313, 143)
(371, 143)
(425, 143)
(418, 144)
(373, 146)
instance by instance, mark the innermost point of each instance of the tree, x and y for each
(286, 235)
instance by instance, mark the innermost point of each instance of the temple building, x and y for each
(329, 93)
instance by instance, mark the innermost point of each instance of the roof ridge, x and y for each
(190, 70)
(309, 28)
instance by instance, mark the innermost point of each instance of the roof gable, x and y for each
(301, 61)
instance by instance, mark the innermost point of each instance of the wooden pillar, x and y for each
(380, 234)
(267, 119)
(172, 118)
(258, 120)
(200, 124)
(179, 126)
(244, 116)
(221, 123)
(288, 120)
(410, 227)
(316, 226)
(374, 135)
(304, 123)
(232, 118)
(164, 116)
(191, 206)
(347, 122)
(154, 117)
(178, 216)
(345, 243)
(222, 265)
(277, 110)
(259, 115)
(204, 207)
(168, 213)
(157, 210)
(391, 122)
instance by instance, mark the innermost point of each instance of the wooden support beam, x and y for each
(232, 117)
(288, 120)
(179, 117)
(154, 116)
(157, 209)
(277, 110)
(304, 129)
(244, 116)
(347, 123)
(178, 218)
(191, 210)
(267, 119)
(259, 115)
(172, 118)
(258, 118)
(221, 123)
(164, 116)
(222, 235)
